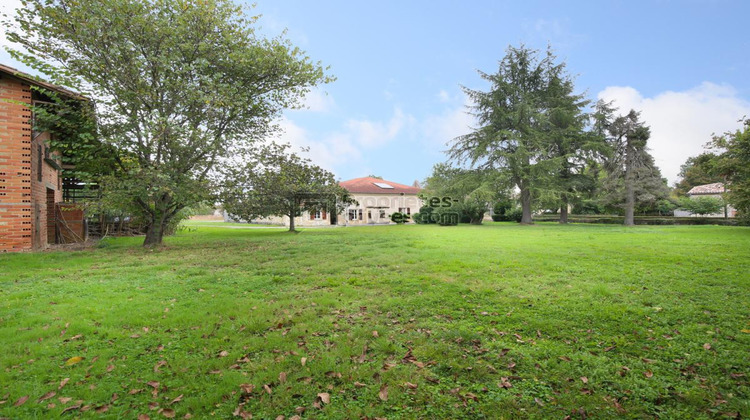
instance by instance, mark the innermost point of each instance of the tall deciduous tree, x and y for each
(734, 165)
(277, 182)
(180, 85)
(517, 122)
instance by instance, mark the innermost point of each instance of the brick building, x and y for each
(30, 173)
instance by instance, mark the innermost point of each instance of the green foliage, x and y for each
(425, 215)
(204, 208)
(446, 216)
(702, 205)
(697, 170)
(469, 191)
(399, 218)
(733, 164)
(180, 87)
(589, 206)
(506, 211)
(277, 182)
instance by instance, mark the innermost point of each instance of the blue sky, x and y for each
(400, 64)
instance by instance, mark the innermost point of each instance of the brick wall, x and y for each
(23, 192)
(16, 217)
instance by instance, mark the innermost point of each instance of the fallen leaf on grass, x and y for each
(538, 401)
(648, 373)
(375, 334)
(62, 383)
(584, 379)
(303, 360)
(168, 413)
(21, 401)
(110, 368)
(71, 408)
(102, 409)
(383, 394)
(143, 417)
(565, 358)
(359, 385)
(268, 389)
(64, 400)
(223, 353)
(707, 346)
(247, 388)
(410, 385)
(325, 397)
(505, 383)
(239, 412)
(46, 396)
(73, 360)
(282, 377)
(176, 400)
(158, 365)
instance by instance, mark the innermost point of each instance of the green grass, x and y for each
(655, 320)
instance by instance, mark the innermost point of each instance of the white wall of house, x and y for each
(378, 208)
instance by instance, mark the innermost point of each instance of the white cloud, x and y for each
(8, 7)
(439, 130)
(346, 146)
(682, 122)
(372, 134)
(326, 153)
(443, 96)
(318, 101)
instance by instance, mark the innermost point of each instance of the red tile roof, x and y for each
(716, 188)
(367, 185)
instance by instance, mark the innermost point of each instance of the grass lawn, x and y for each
(493, 321)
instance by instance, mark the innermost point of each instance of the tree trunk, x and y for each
(160, 217)
(292, 212)
(155, 233)
(564, 210)
(526, 205)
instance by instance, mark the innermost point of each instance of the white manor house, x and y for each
(375, 201)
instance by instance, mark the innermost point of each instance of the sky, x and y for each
(397, 102)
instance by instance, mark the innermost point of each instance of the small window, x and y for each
(383, 185)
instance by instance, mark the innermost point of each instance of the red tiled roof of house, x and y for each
(715, 188)
(36, 82)
(369, 185)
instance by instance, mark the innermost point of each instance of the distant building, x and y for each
(376, 200)
(715, 190)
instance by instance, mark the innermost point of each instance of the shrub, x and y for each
(399, 218)
(425, 215)
(445, 216)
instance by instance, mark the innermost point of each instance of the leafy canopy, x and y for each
(180, 86)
